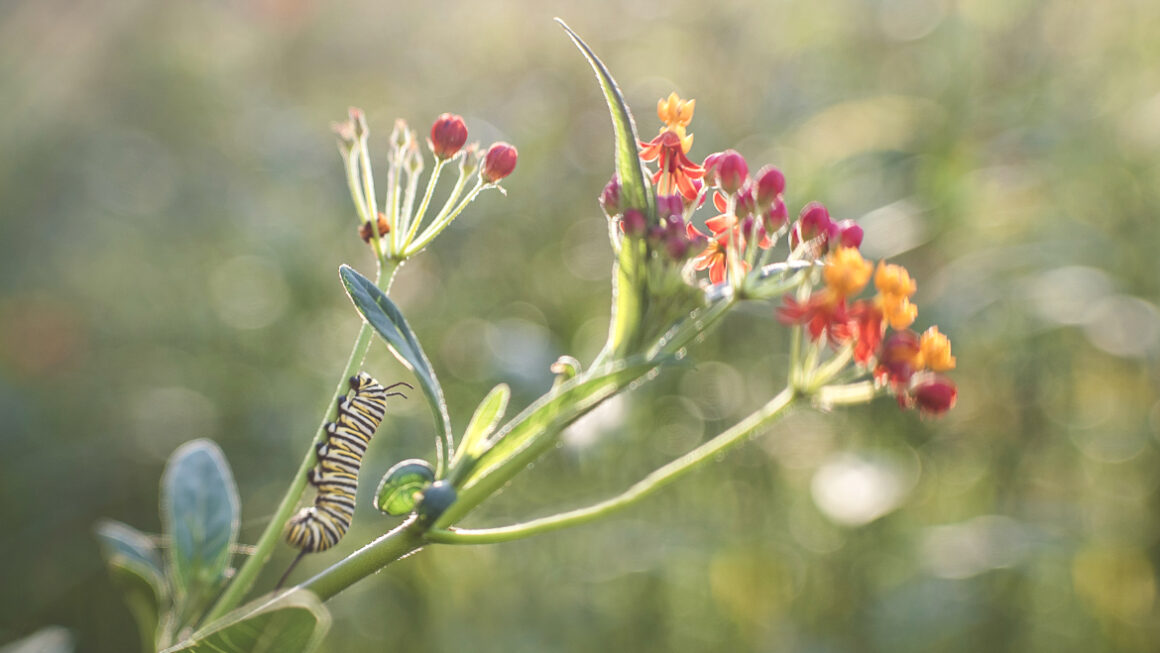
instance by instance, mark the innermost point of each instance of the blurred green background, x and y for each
(172, 214)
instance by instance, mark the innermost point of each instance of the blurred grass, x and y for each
(1006, 152)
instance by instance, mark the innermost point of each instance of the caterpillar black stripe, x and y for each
(319, 527)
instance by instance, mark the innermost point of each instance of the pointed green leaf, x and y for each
(487, 416)
(635, 189)
(630, 293)
(200, 514)
(53, 639)
(386, 318)
(294, 622)
(401, 486)
(120, 539)
(534, 429)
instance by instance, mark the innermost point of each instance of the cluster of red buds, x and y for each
(394, 231)
(666, 236)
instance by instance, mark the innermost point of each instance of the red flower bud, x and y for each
(610, 197)
(710, 166)
(732, 171)
(849, 233)
(448, 135)
(898, 356)
(668, 205)
(933, 394)
(677, 246)
(770, 184)
(813, 222)
(745, 207)
(499, 162)
(776, 216)
(633, 223)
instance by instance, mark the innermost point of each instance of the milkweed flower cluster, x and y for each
(751, 217)
(902, 362)
(393, 229)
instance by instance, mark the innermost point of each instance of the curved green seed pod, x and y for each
(402, 486)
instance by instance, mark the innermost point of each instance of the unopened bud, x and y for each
(470, 160)
(448, 134)
(677, 246)
(813, 222)
(710, 166)
(610, 197)
(849, 233)
(400, 135)
(669, 205)
(499, 162)
(633, 223)
(745, 206)
(345, 132)
(732, 171)
(358, 121)
(414, 159)
(933, 394)
(776, 216)
(770, 184)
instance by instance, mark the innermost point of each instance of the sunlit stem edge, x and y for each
(645, 487)
(417, 219)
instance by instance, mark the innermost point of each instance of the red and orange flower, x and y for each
(676, 172)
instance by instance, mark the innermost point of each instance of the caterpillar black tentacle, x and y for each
(319, 527)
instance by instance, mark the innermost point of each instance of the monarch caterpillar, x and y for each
(319, 527)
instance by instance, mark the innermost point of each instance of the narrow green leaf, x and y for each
(543, 420)
(487, 416)
(294, 622)
(386, 318)
(200, 514)
(401, 485)
(630, 294)
(635, 188)
(120, 539)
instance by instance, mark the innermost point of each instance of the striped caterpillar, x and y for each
(319, 527)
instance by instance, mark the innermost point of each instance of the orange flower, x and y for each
(895, 288)
(715, 256)
(898, 311)
(936, 350)
(670, 148)
(846, 272)
(894, 280)
(823, 313)
(677, 114)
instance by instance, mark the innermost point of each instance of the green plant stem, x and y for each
(417, 219)
(248, 573)
(656, 480)
(441, 221)
(826, 372)
(402, 541)
(411, 535)
(350, 158)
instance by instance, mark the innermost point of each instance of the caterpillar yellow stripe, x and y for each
(319, 527)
